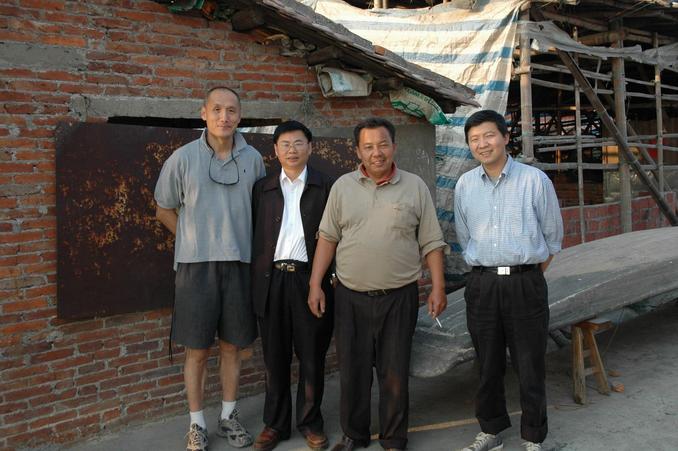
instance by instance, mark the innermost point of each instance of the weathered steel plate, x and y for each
(113, 255)
(584, 281)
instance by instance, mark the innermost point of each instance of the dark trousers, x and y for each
(287, 326)
(375, 332)
(509, 311)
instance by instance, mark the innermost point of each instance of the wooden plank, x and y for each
(578, 369)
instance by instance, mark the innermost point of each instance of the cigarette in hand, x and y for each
(438, 321)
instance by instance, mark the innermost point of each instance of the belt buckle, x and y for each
(504, 270)
(289, 267)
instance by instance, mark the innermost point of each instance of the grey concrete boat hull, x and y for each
(584, 281)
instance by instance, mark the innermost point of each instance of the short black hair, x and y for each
(220, 88)
(371, 123)
(481, 116)
(291, 126)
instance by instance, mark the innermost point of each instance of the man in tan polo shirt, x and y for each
(379, 221)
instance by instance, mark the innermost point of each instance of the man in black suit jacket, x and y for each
(286, 210)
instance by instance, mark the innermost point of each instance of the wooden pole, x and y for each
(526, 94)
(580, 157)
(587, 89)
(619, 85)
(660, 120)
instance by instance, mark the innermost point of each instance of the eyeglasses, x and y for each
(228, 177)
(285, 146)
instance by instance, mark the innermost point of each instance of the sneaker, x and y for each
(237, 435)
(531, 446)
(197, 438)
(485, 442)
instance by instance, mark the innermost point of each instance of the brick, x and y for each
(64, 41)
(13, 430)
(27, 393)
(96, 377)
(53, 419)
(116, 382)
(172, 72)
(22, 306)
(130, 69)
(58, 396)
(143, 406)
(14, 96)
(22, 327)
(91, 368)
(52, 355)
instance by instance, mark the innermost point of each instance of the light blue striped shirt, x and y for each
(515, 221)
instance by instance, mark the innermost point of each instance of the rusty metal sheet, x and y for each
(113, 255)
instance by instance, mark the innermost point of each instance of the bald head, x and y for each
(219, 88)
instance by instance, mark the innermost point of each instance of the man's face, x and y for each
(221, 112)
(375, 150)
(487, 144)
(293, 150)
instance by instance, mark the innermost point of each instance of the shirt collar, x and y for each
(505, 171)
(302, 177)
(239, 143)
(392, 177)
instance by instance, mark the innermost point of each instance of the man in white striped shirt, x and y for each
(509, 226)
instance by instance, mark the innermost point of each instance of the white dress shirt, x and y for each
(291, 244)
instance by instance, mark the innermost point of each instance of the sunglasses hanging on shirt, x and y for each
(224, 173)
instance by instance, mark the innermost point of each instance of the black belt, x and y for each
(290, 265)
(373, 293)
(505, 270)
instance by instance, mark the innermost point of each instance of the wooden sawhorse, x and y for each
(583, 335)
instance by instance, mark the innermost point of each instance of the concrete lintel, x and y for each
(20, 54)
(85, 106)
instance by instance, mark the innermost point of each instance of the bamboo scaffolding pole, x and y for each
(620, 96)
(660, 120)
(610, 125)
(580, 156)
(601, 144)
(526, 129)
(564, 70)
(593, 166)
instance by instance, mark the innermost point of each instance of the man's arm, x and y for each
(437, 300)
(168, 217)
(324, 254)
(544, 265)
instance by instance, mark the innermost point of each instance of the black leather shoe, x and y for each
(347, 444)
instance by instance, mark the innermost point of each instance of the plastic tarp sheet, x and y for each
(547, 35)
(472, 46)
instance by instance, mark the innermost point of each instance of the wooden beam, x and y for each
(324, 55)
(247, 19)
(587, 90)
(387, 84)
(604, 37)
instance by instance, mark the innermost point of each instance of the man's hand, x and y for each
(316, 301)
(437, 302)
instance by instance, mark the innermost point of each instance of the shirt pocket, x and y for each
(404, 216)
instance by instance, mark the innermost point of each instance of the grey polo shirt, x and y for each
(382, 232)
(215, 220)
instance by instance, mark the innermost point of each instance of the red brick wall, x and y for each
(60, 381)
(603, 220)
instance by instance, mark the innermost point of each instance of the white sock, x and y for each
(198, 418)
(227, 408)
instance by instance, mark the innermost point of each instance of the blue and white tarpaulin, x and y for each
(472, 46)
